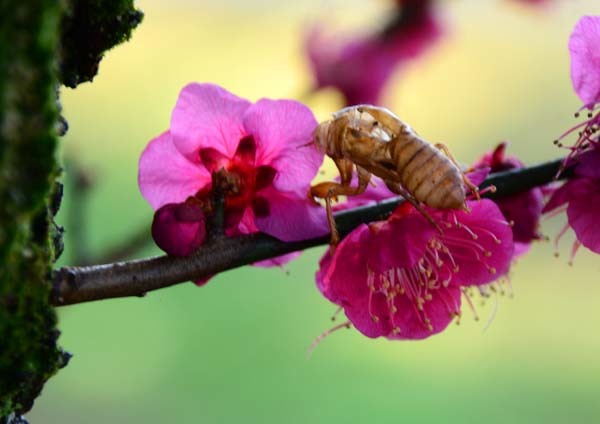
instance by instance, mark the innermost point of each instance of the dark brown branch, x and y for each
(136, 278)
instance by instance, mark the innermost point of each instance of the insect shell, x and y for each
(375, 139)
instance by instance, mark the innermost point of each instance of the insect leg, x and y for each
(398, 189)
(474, 189)
(328, 190)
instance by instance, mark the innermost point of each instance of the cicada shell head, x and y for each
(321, 136)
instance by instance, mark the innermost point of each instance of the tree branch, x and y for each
(136, 278)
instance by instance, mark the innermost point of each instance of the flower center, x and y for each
(425, 280)
(246, 180)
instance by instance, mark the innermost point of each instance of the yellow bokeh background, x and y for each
(235, 350)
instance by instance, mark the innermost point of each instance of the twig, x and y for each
(136, 278)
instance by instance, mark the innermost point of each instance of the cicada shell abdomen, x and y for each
(426, 173)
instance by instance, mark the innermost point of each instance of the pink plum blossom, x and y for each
(585, 76)
(263, 148)
(523, 209)
(360, 66)
(580, 196)
(402, 279)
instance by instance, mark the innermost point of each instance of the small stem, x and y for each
(216, 222)
(136, 278)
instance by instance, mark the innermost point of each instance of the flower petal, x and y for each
(524, 210)
(206, 115)
(481, 244)
(583, 214)
(400, 242)
(344, 279)
(437, 311)
(291, 217)
(558, 197)
(246, 225)
(165, 176)
(283, 131)
(589, 163)
(478, 175)
(585, 59)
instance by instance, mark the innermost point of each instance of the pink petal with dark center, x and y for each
(246, 150)
(585, 59)
(206, 115)
(212, 159)
(283, 131)
(165, 176)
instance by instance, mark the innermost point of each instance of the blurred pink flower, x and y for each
(360, 66)
(524, 209)
(533, 2)
(402, 279)
(259, 145)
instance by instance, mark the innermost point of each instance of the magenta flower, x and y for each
(580, 197)
(585, 76)
(360, 66)
(262, 148)
(524, 209)
(402, 279)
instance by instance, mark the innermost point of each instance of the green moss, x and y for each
(89, 28)
(30, 241)
(28, 351)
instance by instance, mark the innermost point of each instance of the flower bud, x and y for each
(179, 228)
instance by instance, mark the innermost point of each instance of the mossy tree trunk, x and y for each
(28, 115)
(42, 43)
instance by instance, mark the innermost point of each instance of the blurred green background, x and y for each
(235, 350)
